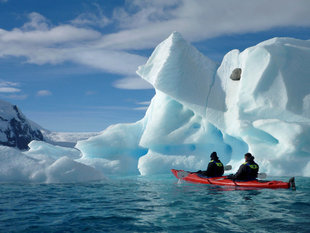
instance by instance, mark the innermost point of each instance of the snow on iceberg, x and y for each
(44, 163)
(198, 109)
(116, 150)
(179, 70)
(45, 151)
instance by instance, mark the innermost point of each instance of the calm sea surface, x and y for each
(152, 204)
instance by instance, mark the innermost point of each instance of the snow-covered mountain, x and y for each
(15, 129)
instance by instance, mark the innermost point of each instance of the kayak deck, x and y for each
(193, 177)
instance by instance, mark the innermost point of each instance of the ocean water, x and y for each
(152, 204)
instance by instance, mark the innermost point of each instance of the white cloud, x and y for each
(143, 24)
(37, 21)
(88, 19)
(44, 93)
(144, 12)
(202, 19)
(15, 97)
(145, 105)
(4, 83)
(132, 83)
(42, 44)
(118, 62)
(56, 36)
(96, 18)
(9, 87)
(141, 108)
(9, 90)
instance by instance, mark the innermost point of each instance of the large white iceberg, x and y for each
(198, 109)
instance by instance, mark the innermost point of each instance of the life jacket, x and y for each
(218, 169)
(252, 170)
(217, 163)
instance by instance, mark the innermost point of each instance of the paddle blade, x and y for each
(262, 176)
(227, 167)
(292, 183)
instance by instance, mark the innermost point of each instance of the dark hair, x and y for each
(249, 156)
(214, 156)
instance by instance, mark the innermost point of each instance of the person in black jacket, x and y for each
(215, 167)
(247, 171)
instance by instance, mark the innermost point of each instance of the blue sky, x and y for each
(70, 65)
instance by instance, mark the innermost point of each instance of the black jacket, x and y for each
(215, 169)
(247, 171)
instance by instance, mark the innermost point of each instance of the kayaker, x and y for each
(215, 167)
(247, 171)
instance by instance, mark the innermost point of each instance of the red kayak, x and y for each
(194, 177)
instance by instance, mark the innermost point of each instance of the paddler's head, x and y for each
(213, 156)
(248, 157)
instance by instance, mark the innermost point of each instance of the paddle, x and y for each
(261, 175)
(292, 183)
(227, 167)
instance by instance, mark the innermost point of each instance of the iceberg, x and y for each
(44, 163)
(198, 108)
(257, 101)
